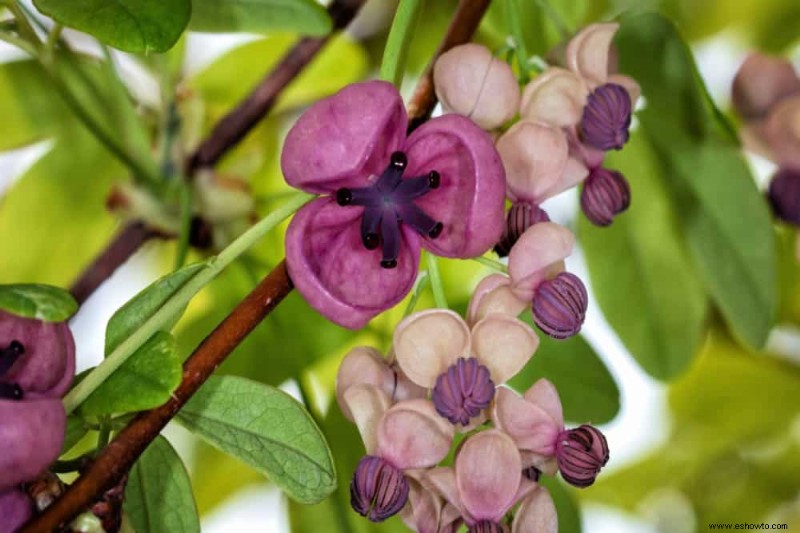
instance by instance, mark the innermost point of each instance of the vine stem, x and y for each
(436, 281)
(116, 459)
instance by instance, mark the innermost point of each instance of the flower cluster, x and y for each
(37, 364)
(443, 376)
(766, 94)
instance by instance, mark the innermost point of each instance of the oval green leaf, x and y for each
(158, 497)
(42, 302)
(267, 429)
(141, 26)
(259, 16)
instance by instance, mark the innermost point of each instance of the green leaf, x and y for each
(42, 302)
(641, 272)
(260, 16)
(141, 307)
(267, 429)
(145, 380)
(158, 497)
(131, 25)
(725, 218)
(76, 429)
(588, 392)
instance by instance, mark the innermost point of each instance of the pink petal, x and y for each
(470, 199)
(536, 514)
(367, 405)
(363, 365)
(333, 270)
(16, 509)
(470, 81)
(761, 82)
(343, 139)
(587, 52)
(541, 248)
(494, 295)
(488, 472)
(545, 395)
(535, 156)
(547, 464)
(555, 97)
(782, 132)
(530, 426)
(442, 481)
(504, 345)
(426, 343)
(422, 512)
(413, 435)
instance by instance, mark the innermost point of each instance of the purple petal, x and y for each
(343, 139)
(336, 274)
(32, 432)
(470, 198)
(15, 509)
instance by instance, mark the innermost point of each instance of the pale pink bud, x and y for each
(761, 82)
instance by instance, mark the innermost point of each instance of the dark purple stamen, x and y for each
(559, 305)
(9, 355)
(388, 203)
(463, 391)
(606, 117)
(10, 391)
(520, 217)
(532, 473)
(581, 453)
(784, 195)
(378, 490)
(486, 526)
(605, 194)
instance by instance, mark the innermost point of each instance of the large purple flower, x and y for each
(355, 252)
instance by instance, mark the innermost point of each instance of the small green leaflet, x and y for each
(41, 302)
(259, 16)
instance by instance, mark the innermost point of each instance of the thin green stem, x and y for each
(185, 202)
(513, 17)
(422, 284)
(394, 54)
(52, 40)
(491, 263)
(175, 304)
(104, 435)
(436, 281)
(20, 43)
(25, 31)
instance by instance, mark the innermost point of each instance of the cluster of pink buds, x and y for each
(766, 94)
(444, 375)
(37, 364)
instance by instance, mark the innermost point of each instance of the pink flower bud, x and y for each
(761, 82)
(471, 82)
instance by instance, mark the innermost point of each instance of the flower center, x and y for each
(378, 490)
(388, 203)
(606, 117)
(463, 391)
(9, 356)
(486, 526)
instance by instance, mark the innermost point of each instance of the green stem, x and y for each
(491, 263)
(394, 55)
(436, 281)
(422, 283)
(52, 40)
(179, 299)
(25, 31)
(513, 17)
(185, 201)
(20, 43)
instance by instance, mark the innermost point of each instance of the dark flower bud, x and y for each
(784, 195)
(486, 526)
(532, 473)
(520, 217)
(559, 305)
(15, 510)
(606, 117)
(581, 453)
(463, 391)
(605, 194)
(378, 490)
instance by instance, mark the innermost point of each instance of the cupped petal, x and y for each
(541, 248)
(423, 509)
(545, 395)
(781, 131)
(412, 435)
(503, 344)
(535, 157)
(363, 365)
(587, 52)
(367, 404)
(47, 365)
(536, 514)
(488, 473)
(343, 139)
(442, 481)
(494, 295)
(16, 508)
(470, 81)
(32, 432)
(428, 342)
(531, 428)
(760, 83)
(555, 97)
(470, 198)
(336, 274)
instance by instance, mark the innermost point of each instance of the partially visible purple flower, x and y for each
(559, 305)
(581, 453)
(784, 195)
(520, 217)
(15, 509)
(378, 489)
(605, 194)
(355, 252)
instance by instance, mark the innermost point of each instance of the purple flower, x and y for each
(378, 490)
(354, 252)
(521, 216)
(784, 195)
(15, 509)
(605, 194)
(559, 307)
